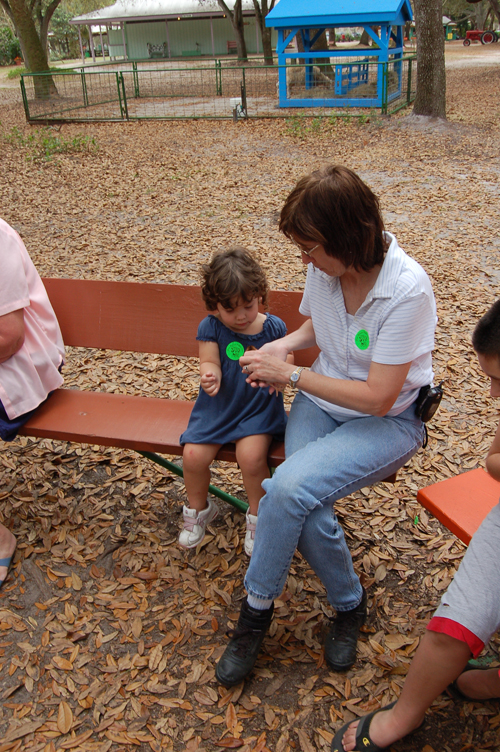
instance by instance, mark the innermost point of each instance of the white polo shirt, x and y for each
(30, 374)
(394, 325)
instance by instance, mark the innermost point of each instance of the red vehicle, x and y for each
(476, 35)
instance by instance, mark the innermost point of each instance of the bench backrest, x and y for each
(144, 317)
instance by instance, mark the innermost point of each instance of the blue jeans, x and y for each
(326, 459)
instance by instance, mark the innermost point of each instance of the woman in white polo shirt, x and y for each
(371, 311)
(31, 350)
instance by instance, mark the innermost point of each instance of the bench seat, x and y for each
(462, 502)
(144, 424)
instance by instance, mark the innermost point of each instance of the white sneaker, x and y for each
(195, 524)
(250, 534)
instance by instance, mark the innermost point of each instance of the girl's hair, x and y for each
(230, 276)
(486, 335)
(334, 207)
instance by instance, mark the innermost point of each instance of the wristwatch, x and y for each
(295, 376)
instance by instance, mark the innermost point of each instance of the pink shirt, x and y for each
(28, 376)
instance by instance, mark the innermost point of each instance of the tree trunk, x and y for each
(495, 6)
(431, 78)
(321, 43)
(35, 57)
(480, 15)
(265, 32)
(236, 18)
(365, 39)
(267, 46)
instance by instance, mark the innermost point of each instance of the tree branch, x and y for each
(258, 12)
(50, 11)
(5, 5)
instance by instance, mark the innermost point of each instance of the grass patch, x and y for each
(20, 69)
(44, 144)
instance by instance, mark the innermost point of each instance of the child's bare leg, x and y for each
(437, 662)
(251, 455)
(7, 548)
(196, 460)
(480, 685)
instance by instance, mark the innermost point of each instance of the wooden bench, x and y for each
(157, 50)
(462, 502)
(146, 318)
(232, 48)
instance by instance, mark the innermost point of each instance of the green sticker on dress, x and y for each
(362, 339)
(235, 350)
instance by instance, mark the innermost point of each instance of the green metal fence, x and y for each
(135, 92)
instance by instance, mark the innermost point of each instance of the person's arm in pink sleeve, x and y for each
(11, 333)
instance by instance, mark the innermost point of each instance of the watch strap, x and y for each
(294, 381)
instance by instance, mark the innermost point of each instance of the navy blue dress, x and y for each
(237, 410)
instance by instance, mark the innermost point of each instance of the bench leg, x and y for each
(242, 506)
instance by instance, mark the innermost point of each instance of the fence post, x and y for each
(118, 86)
(125, 106)
(218, 78)
(84, 89)
(384, 87)
(244, 94)
(408, 90)
(136, 80)
(25, 99)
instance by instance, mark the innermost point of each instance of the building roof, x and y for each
(324, 13)
(150, 10)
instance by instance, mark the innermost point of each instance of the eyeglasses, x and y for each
(306, 253)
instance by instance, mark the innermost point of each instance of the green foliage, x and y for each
(21, 70)
(16, 72)
(303, 126)
(63, 39)
(9, 46)
(296, 126)
(44, 144)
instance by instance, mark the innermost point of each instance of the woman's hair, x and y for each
(336, 209)
(232, 275)
(486, 335)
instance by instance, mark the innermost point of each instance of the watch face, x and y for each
(294, 377)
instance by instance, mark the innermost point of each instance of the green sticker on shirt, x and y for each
(235, 350)
(362, 339)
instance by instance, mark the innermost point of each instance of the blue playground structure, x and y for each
(359, 76)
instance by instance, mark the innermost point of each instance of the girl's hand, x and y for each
(210, 383)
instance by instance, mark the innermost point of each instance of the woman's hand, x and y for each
(210, 383)
(277, 348)
(265, 370)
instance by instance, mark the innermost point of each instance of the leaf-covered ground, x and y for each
(109, 633)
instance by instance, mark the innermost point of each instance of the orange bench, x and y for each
(147, 318)
(461, 503)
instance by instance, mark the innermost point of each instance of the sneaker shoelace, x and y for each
(344, 625)
(245, 637)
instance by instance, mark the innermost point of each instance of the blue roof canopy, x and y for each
(303, 13)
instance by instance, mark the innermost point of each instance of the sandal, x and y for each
(7, 562)
(457, 694)
(363, 741)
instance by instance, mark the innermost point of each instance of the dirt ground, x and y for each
(109, 633)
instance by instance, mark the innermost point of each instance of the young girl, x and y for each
(227, 408)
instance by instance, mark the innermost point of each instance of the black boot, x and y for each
(341, 640)
(241, 654)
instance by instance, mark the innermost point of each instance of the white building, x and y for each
(140, 29)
